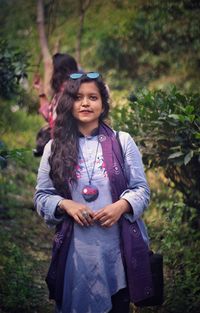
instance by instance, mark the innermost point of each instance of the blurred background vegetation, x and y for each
(149, 54)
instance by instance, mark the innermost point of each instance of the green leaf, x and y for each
(188, 157)
(175, 148)
(175, 155)
(3, 162)
(189, 109)
(191, 117)
(174, 116)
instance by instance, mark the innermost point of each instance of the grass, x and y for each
(25, 248)
(25, 245)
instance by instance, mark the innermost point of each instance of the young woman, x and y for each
(63, 65)
(87, 188)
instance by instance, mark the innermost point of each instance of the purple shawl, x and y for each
(133, 248)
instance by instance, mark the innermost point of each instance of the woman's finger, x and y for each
(98, 215)
(78, 220)
(107, 223)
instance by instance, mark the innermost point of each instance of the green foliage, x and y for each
(180, 258)
(150, 42)
(15, 173)
(175, 237)
(17, 288)
(20, 288)
(166, 125)
(22, 260)
(18, 162)
(173, 232)
(3, 155)
(15, 154)
(13, 66)
(17, 20)
(154, 40)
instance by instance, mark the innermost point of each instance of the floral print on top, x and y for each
(99, 165)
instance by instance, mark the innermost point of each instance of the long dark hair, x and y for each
(63, 65)
(64, 150)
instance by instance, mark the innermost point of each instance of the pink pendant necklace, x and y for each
(90, 192)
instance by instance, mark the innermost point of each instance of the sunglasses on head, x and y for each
(91, 75)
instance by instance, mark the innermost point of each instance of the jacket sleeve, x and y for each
(138, 192)
(46, 197)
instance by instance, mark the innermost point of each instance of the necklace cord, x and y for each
(92, 172)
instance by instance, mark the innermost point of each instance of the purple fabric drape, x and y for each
(134, 250)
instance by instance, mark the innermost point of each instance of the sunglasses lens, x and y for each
(93, 75)
(75, 75)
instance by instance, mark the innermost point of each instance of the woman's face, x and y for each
(88, 106)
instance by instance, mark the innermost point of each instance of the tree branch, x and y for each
(47, 59)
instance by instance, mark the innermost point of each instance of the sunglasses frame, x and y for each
(91, 75)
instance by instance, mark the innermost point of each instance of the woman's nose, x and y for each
(85, 101)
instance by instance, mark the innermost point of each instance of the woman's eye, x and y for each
(93, 98)
(78, 97)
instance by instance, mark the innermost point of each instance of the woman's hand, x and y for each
(110, 214)
(82, 214)
(38, 84)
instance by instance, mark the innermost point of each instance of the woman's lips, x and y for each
(85, 111)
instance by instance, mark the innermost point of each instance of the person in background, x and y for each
(63, 65)
(87, 187)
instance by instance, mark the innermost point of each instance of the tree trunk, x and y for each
(83, 6)
(46, 55)
(79, 38)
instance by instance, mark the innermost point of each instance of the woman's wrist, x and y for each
(125, 206)
(59, 209)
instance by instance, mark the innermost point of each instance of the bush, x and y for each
(175, 237)
(18, 166)
(13, 66)
(166, 126)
